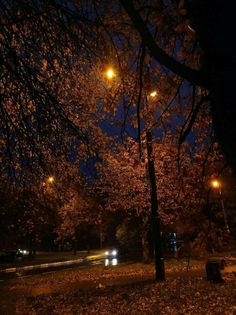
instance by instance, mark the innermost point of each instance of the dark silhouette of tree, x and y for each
(212, 23)
(47, 55)
(41, 40)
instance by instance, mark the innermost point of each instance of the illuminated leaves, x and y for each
(123, 288)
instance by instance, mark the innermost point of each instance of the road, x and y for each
(97, 258)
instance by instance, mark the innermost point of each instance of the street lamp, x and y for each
(110, 73)
(153, 94)
(155, 217)
(216, 184)
(50, 179)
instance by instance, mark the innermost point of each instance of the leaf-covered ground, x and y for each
(127, 289)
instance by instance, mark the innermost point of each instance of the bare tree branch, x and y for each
(196, 77)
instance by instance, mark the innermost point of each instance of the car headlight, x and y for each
(114, 252)
(23, 251)
(106, 253)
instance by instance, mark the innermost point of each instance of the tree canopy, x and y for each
(171, 69)
(53, 55)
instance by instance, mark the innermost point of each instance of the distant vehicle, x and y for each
(12, 255)
(113, 253)
(23, 252)
(111, 257)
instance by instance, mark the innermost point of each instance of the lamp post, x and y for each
(155, 218)
(216, 184)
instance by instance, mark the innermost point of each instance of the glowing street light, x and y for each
(153, 94)
(50, 179)
(110, 74)
(216, 184)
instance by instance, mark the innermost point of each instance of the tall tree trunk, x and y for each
(147, 254)
(214, 23)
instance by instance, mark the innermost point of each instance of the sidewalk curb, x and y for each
(50, 265)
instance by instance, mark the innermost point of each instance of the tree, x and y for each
(26, 216)
(182, 185)
(47, 107)
(210, 24)
(128, 233)
(178, 35)
(78, 213)
(52, 88)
